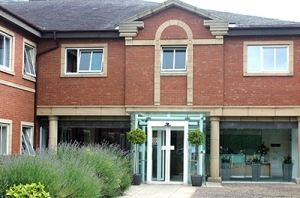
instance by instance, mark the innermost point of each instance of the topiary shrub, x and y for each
(29, 190)
(136, 136)
(196, 137)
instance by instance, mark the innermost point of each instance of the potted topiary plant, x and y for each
(256, 167)
(196, 138)
(137, 137)
(225, 166)
(287, 168)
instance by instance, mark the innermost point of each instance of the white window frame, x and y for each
(27, 138)
(79, 54)
(8, 125)
(2, 126)
(288, 45)
(29, 63)
(63, 59)
(5, 53)
(174, 48)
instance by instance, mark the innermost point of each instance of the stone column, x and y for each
(298, 178)
(53, 127)
(214, 150)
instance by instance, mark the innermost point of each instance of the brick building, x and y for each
(89, 71)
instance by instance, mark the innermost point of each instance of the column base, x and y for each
(297, 180)
(214, 179)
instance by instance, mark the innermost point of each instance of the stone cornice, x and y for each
(222, 111)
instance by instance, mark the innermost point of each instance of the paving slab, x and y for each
(159, 191)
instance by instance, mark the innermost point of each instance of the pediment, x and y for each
(130, 26)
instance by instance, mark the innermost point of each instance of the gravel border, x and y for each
(247, 190)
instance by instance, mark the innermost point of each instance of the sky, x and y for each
(278, 9)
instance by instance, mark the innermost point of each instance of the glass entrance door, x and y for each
(168, 154)
(176, 155)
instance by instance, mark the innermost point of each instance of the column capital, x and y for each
(53, 118)
(215, 118)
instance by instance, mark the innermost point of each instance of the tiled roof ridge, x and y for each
(58, 15)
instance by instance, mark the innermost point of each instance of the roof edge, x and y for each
(19, 21)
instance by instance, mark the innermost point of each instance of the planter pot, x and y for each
(196, 180)
(287, 170)
(256, 172)
(225, 171)
(136, 179)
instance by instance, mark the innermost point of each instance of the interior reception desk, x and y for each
(244, 170)
(240, 168)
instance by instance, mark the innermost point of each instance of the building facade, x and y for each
(166, 68)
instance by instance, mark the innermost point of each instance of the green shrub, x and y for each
(73, 171)
(136, 136)
(109, 163)
(62, 178)
(196, 137)
(29, 190)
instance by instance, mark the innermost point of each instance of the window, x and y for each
(44, 137)
(268, 58)
(27, 134)
(3, 139)
(29, 68)
(5, 50)
(84, 60)
(174, 59)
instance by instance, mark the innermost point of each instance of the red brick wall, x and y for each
(139, 75)
(16, 104)
(192, 20)
(173, 32)
(55, 90)
(208, 75)
(258, 91)
(173, 90)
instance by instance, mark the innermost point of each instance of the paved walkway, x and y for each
(163, 190)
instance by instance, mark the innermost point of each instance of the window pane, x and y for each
(281, 59)
(268, 62)
(28, 61)
(71, 61)
(167, 59)
(3, 140)
(253, 59)
(44, 137)
(1, 50)
(180, 59)
(7, 52)
(97, 61)
(85, 58)
(26, 141)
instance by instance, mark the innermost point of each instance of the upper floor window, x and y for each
(3, 139)
(29, 68)
(5, 50)
(83, 60)
(268, 59)
(174, 59)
